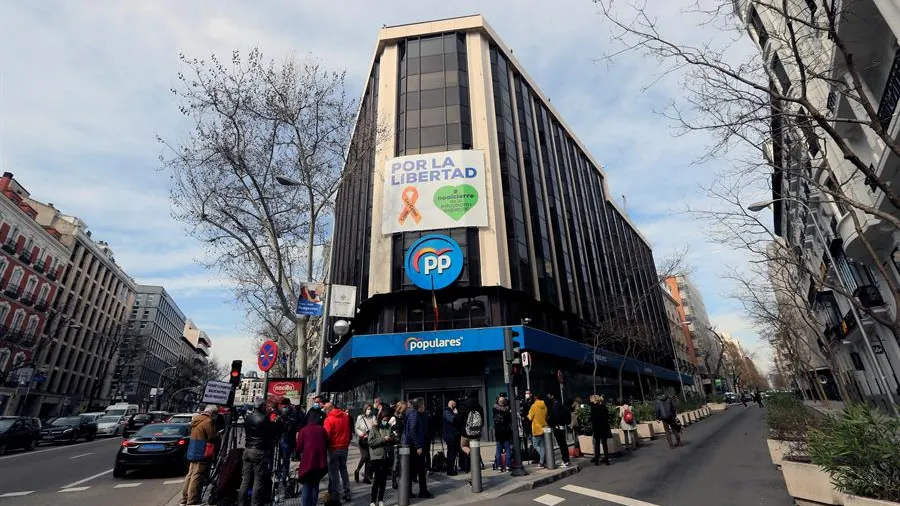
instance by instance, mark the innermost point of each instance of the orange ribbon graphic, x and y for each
(410, 196)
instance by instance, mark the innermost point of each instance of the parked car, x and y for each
(161, 446)
(93, 416)
(136, 422)
(181, 418)
(69, 429)
(19, 432)
(111, 426)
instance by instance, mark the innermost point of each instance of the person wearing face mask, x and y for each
(502, 434)
(525, 428)
(381, 438)
(364, 422)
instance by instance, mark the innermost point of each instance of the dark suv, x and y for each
(19, 432)
(138, 421)
(69, 429)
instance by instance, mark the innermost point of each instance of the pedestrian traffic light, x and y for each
(235, 378)
(511, 347)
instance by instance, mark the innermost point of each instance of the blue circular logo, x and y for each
(434, 262)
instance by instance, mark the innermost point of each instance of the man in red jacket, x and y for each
(337, 425)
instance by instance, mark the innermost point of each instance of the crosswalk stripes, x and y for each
(73, 489)
(16, 494)
(127, 485)
(606, 497)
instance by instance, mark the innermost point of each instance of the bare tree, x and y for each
(804, 109)
(255, 121)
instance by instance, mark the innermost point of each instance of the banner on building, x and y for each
(285, 388)
(343, 301)
(434, 191)
(311, 299)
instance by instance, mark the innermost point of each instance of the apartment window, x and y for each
(4, 358)
(781, 74)
(4, 312)
(4, 263)
(832, 187)
(45, 292)
(32, 324)
(857, 361)
(29, 286)
(18, 318)
(16, 278)
(761, 33)
(13, 236)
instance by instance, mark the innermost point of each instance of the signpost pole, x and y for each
(320, 365)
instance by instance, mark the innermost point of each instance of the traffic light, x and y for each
(235, 378)
(511, 347)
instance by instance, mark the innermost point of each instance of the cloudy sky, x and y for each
(84, 90)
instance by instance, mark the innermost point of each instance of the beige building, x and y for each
(94, 301)
(679, 334)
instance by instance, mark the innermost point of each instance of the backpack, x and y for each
(474, 424)
(439, 462)
(628, 416)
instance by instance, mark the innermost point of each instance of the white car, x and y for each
(181, 418)
(111, 426)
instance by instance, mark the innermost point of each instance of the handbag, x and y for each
(209, 451)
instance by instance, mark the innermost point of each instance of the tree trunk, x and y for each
(622, 370)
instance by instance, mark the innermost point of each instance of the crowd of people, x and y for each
(320, 439)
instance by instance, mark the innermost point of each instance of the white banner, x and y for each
(343, 301)
(433, 191)
(216, 392)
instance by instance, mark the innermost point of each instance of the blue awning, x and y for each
(408, 344)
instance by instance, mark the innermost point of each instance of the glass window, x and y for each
(412, 83)
(412, 48)
(412, 119)
(432, 98)
(432, 80)
(432, 46)
(432, 64)
(412, 66)
(451, 78)
(433, 116)
(434, 136)
(454, 134)
(453, 96)
(412, 100)
(412, 138)
(450, 43)
(453, 114)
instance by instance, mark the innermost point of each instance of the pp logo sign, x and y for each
(434, 262)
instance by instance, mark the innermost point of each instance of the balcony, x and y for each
(52, 275)
(25, 256)
(28, 298)
(12, 292)
(9, 247)
(39, 266)
(41, 306)
(869, 296)
(891, 94)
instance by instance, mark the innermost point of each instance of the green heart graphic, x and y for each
(456, 201)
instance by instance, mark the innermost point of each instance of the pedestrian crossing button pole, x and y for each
(475, 464)
(548, 448)
(405, 478)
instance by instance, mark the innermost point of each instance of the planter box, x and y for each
(855, 500)
(714, 406)
(777, 450)
(684, 419)
(809, 482)
(645, 431)
(587, 444)
(658, 428)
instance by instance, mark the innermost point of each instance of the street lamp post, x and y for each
(881, 378)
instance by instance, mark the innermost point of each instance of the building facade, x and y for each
(151, 347)
(680, 335)
(819, 193)
(31, 263)
(250, 390)
(704, 348)
(93, 302)
(536, 241)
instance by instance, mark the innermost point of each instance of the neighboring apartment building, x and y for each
(31, 262)
(198, 352)
(703, 346)
(250, 390)
(680, 335)
(94, 301)
(151, 350)
(809, 168)
(479, 181)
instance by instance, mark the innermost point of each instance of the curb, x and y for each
(519, 486)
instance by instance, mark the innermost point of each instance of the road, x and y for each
(724, 460)
(73, 474)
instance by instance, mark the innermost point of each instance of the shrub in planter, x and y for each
(789, 420)
(859, 449)
(717, 399)
(644, 412)
(583, 418)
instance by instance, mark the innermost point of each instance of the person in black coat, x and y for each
(502, 433)
(600, 428)
(451, 437)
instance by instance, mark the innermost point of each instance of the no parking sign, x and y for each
(268, 354)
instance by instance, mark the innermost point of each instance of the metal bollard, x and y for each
(405, 484)
(475, 464)
(548, 448)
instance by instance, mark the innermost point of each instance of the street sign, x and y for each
(216, 392)
(268, 354)
(526, 360)
(343, 301)
(878, 349)
(311, 299)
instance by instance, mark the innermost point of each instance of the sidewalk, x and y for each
(454, 490)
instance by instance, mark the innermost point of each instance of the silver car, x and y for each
(111, 426)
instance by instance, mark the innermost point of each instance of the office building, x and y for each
(819, 194)
(481, 209)
(31, 262)
(94, 301)
(151, 351)
(704, 348)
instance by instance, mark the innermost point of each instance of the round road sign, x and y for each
(267, 355)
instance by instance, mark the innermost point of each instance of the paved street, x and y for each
(724, 461)
(74, 474)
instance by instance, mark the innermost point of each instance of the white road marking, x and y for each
(128, 485)
(79, 456)
(549, 500)
(89, 478)
(16, 494)
(74, 489)
(596, 494)
(37, 452)
(172, 482)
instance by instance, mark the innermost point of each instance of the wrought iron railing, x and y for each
(891, 94)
